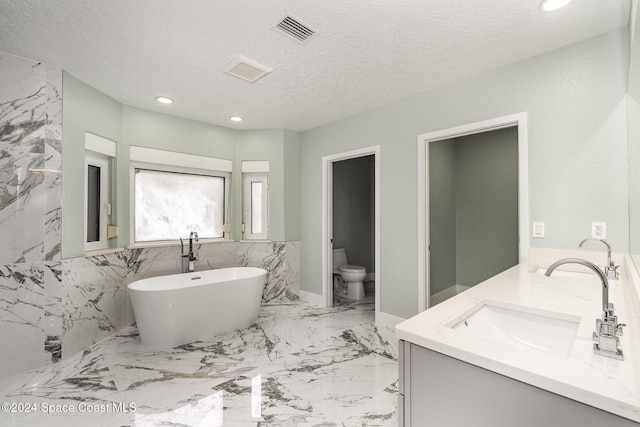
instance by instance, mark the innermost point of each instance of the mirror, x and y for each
(633, 128)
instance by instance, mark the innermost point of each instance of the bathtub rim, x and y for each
(185, 280)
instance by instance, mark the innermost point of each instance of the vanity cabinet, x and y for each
(438, 390)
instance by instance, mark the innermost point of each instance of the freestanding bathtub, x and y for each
(183, 308)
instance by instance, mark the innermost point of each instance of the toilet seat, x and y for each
(352, 268)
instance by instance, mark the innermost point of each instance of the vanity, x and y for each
(517, 350)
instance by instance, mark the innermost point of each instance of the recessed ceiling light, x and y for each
(235, 118)
(164, 100)
(553, 5)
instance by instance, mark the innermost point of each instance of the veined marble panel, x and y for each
(21, 313)
(283, 283)
(23, 113)
(153, 262)
(95, 300)
(53, 166)
(53, 311)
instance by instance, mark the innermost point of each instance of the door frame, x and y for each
(327, 221)
(520, 120)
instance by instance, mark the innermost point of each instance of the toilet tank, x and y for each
(339, 258)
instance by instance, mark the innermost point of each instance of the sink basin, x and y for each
(583, 275)
(520, 326)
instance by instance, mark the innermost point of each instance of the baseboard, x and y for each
(311, 298)
(387, 320)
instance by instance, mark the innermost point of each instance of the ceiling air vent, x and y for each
(246, 69)
(295, 29)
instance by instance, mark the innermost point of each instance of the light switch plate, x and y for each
(538, 229)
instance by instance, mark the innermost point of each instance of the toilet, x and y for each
(351, 276)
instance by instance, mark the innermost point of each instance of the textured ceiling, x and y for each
(367, 53)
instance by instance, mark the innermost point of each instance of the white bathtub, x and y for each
(183, 308)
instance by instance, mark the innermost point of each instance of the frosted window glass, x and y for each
(256, 207)
(171, 205)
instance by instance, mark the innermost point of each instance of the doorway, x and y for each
(353, 220)
(473, 210)
(366, 253)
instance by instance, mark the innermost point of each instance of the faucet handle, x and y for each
(611, 271)
(619, 327)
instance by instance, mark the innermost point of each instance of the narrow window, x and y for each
(97, 204)
(255, 226)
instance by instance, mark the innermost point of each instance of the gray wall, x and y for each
(84, 109)
(486, 205)
(291, 185)
(575, 99)
(442, 215)
(353, 213)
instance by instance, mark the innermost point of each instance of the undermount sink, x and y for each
(583, 275)
(523, 327)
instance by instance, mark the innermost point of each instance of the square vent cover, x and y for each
(246, 69)
(295, 29)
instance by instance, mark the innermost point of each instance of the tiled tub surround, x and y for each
(601, 382)
(30, 213)
(297, 366)
(60, 308)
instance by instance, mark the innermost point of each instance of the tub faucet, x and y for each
(606, 341)
(191, 256)
(610, 270)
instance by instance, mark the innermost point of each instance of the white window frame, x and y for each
(92, 158)
(248, 179)
(100, 152)
(170, 161)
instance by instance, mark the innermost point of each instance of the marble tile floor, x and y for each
(298, 365)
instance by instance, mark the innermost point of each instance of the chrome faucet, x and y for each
(606, 341)
(610, 270)
(191, 256)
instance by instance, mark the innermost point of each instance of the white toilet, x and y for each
(350, 275)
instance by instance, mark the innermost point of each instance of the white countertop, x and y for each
(602, 382)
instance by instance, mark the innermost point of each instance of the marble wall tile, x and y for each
(21, 312)
(153, 262)
(23, 112)
(95, 300)
(53, 166)
(283, 284)
(52, 318)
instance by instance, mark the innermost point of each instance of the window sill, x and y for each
(97, 252)
(176, 243)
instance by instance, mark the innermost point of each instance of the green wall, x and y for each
(575, 100)
(486, 195)
(86, 109)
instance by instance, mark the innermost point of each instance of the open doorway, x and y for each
(351, 218)
(353, 237)
(473, 210)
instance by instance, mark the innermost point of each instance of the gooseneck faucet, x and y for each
(606, 341)
(191, 256)
(610, 270)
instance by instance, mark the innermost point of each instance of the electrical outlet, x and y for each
(599, 230)
(538, 229)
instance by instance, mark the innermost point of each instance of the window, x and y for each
(255, 226)
(99, 153)
(170, 205)
(173, 194)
